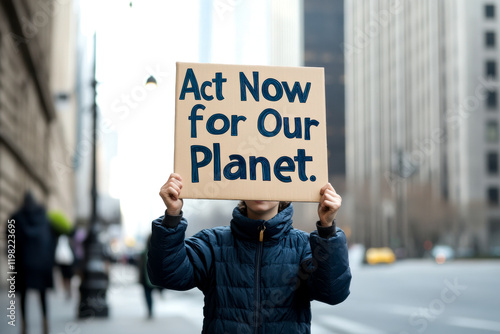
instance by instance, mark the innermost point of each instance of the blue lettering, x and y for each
(195, 165)
(266, 168)
(194, 117)
(277, 86)
(218, 80)
(278, 168)
(297, 90)
(298, 128)
(262, 118)
(217, 162)
(254, 90)
(301, 159)
(308, 123)
(203, 93)
(211, 124)
(190, 78)
(240, 173)
(234, 123)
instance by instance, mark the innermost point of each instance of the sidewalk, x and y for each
(174, 312)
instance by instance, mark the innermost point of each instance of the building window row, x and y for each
(493, 196)
(494, 224)
(492, 99)
(490, 39)
(491, 69)
(492, 163)
(489, 11)
(492, 131)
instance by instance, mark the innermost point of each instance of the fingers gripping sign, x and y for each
(170, 193)
(329, 205)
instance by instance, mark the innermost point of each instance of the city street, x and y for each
(413, 296)
(114, 112)
(417, 296)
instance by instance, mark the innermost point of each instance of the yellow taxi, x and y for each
(380, 255)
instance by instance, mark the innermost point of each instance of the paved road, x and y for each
(417, 296)
(410, 297)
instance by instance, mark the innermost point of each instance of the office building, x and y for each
(422, 124)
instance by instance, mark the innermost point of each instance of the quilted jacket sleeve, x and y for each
(175, 262)
(326, 268)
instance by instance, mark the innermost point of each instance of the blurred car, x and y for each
(380, 255)
(442, 253)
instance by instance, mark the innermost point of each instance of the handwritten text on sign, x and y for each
(219, 107)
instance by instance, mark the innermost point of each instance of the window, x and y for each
(494, 225)
(492, 131)
(492, 162)
(489, 11)
(493, 196)
(489, 39)
(491, 69)
(491, 99)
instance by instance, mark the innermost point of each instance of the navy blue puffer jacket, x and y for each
(251, 286)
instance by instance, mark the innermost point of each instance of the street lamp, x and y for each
(404, 168)
(151, 82)
(95, 278)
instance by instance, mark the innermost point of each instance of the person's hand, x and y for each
(329, 205)
(170, 193)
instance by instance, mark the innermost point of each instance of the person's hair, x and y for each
(242, 206)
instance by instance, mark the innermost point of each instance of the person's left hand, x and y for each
(329, 205)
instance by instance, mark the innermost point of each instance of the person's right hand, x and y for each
(170, 193)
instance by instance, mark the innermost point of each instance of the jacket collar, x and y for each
(249, 229)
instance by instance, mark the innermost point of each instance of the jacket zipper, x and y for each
(258, 260)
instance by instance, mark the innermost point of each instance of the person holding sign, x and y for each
(259, 274)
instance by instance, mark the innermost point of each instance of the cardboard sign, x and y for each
(250, 132)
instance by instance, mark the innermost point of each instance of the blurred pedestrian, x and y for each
(259, 274)
(64, 255)
(65, 262)
(145, 281)
(35, 247)
(79, 237)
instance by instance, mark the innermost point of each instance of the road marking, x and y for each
(474, 323)
(400, 309)
(334, 322)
